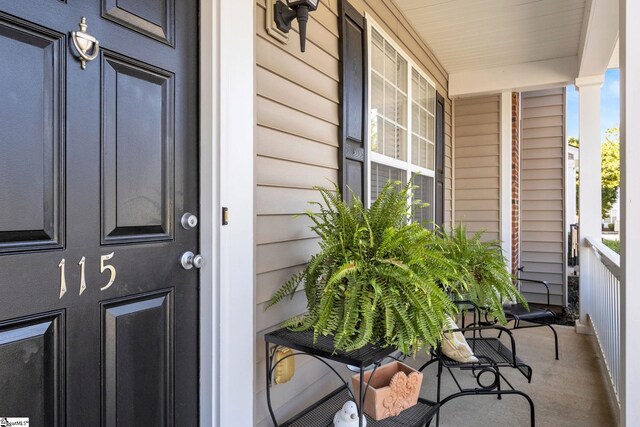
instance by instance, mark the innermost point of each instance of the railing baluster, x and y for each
(604, 313)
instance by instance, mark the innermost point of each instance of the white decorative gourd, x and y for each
(348, 416)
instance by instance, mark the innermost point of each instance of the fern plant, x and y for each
(377, 277)
(482, 273)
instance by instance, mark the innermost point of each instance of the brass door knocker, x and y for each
(84, 44)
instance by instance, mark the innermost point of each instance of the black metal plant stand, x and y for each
(492, 355)
(321, 413)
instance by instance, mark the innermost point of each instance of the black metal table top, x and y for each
(303, 341)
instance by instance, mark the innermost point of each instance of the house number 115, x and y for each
(83, 284)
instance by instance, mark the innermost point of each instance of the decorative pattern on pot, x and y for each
(403, 389)
(393, 388)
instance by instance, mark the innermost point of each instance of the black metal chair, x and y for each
(492, 354)
(535, 317)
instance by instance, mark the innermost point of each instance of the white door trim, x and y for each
(227, 118)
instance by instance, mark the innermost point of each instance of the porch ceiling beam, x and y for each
(517, 77)
(599, 37)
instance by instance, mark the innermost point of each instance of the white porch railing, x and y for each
(604, 298)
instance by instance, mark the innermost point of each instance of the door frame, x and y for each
(227, 327)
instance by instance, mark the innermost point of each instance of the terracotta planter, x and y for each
(393, 388)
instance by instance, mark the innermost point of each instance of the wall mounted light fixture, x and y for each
(284, 14)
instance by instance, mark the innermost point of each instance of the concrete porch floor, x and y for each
(567, 392)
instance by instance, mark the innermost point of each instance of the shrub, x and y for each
(377, 278)
(614, 245)
(381, 279)
(482, 272)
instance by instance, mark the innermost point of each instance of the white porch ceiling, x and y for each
(468, 35)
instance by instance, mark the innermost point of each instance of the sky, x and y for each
(609, 105)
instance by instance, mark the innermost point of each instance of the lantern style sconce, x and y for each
(284, 14)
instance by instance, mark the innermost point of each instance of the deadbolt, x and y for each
(189, 260)
(189, 221)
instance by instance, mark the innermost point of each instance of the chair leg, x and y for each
(555, 337)
(438, 393)
(532, 408)
(499, 386)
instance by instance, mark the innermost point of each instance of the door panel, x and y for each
(30, 167)
(137, 197)
(98, 321)
(33, 348)
(138, 361)
(151, 17)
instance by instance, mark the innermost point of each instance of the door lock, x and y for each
(189, 260)
(189, 221)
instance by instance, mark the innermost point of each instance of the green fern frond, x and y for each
(288, 289)
(380, 278)
(483, 273)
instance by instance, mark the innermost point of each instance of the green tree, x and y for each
(610, 154)
(610, 170)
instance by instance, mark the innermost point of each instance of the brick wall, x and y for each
(515, 181)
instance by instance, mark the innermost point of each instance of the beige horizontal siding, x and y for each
(296, 147)
(288, 120)
(542, 185)
(477, 165)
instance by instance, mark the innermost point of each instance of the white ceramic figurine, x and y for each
(348, 416)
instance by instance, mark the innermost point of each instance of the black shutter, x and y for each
(440, 183)
(353, 123)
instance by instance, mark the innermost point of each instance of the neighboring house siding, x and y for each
(296, 146)
(542, 188)
(477, 165)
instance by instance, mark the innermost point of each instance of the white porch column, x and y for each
(590, 184)
(630, 206)
(505, 175)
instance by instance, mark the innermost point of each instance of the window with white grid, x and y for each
(402, 105)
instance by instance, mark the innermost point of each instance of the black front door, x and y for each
(98, 320)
